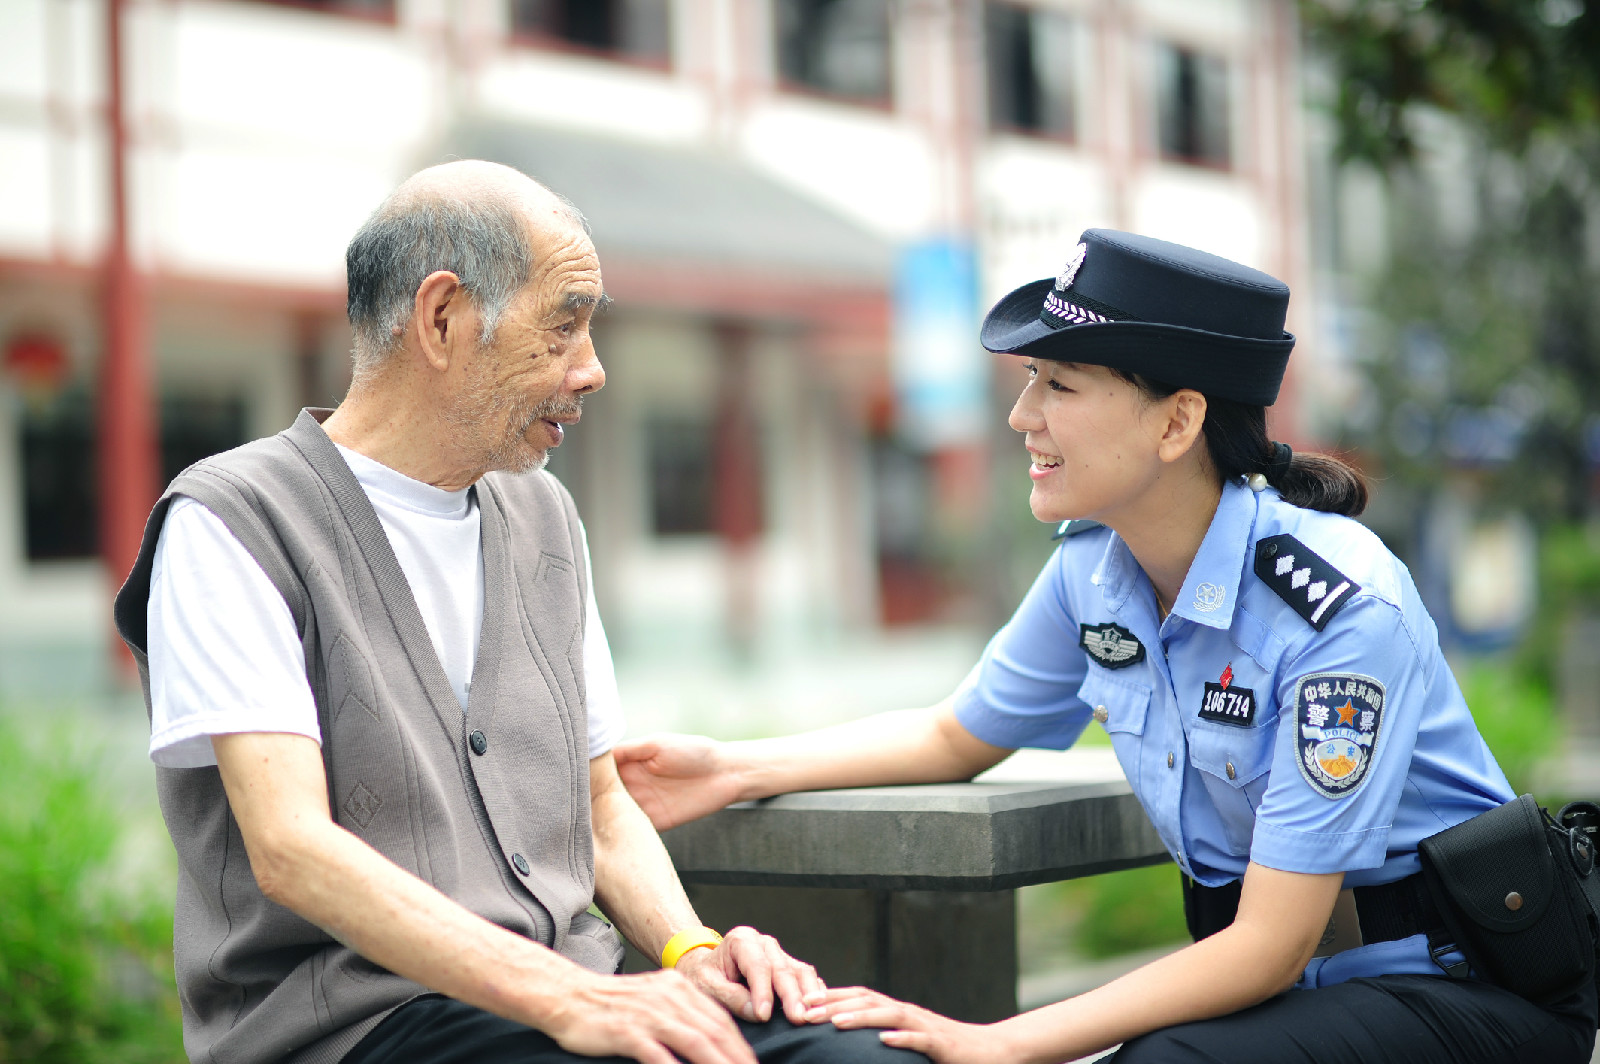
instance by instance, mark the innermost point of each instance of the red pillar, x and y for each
(126, 447)
(736, 479)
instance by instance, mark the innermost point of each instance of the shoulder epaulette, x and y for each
(1312, 588)
(1074, 528)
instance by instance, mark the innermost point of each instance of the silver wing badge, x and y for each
(1110, 645)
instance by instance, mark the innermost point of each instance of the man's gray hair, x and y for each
(482, 239)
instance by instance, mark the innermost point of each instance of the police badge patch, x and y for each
(1338, 716)
(1110, 645)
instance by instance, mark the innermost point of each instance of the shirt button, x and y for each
(479, 741)
(1231, 773)
(1170, 759)
(520, 863)
(1101, 714)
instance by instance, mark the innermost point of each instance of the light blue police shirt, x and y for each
(1247, 734)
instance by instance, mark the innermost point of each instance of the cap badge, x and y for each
(1068, 272)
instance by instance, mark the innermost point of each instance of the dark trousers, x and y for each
(1395, 1019)
(439, 1030)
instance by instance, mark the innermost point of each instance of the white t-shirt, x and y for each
(224, 653)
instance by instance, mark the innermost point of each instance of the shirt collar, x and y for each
(1117, 574)
(1211, 587)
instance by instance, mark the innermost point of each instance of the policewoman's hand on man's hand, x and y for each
(676, 778)
(749, 973)
(905, 1026)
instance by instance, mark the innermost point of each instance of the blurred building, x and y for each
(769, 182)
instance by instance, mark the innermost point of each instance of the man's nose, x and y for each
(586, 374)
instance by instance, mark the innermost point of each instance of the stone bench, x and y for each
(912, 889)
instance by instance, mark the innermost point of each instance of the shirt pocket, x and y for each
(1234, 763)
(1124, 706)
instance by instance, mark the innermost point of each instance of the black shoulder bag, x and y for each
(1519, 892)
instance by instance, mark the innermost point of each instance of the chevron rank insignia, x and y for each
(1110, 645)
(1312, 587)
(1067, 529)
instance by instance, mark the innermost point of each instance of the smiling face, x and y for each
(1093, 438)
(517, 392)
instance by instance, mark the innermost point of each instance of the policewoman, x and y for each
(1264, 667)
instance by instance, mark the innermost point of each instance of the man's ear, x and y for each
(1186, 418)
(438, 318)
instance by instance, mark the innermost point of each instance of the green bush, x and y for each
(85, 960)
(1515, 714)
(1102, 916)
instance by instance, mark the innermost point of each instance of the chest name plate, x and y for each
(1229, 705)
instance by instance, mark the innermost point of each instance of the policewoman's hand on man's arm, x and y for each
(678, 778)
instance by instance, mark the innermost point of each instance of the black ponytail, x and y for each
(1237, 441)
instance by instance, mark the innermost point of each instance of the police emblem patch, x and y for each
(1110, 645)
(1227, 704)
(1338, 716)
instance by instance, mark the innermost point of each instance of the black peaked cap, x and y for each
(1167, 312)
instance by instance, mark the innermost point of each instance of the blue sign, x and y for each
(941, 374)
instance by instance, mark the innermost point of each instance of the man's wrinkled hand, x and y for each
(650, 1018)
(750, 971)
(676, 778)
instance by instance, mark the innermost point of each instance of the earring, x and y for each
(1257, 481)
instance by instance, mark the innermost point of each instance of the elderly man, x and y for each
(382, 703)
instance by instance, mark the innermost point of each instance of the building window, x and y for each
(1032, 66)
(835, 47)
(381, 9)
(59, 491)
(681, 472)
(1192, 107)
(639, 30)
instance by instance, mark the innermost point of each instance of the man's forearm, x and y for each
(635, 884)
(311, 866)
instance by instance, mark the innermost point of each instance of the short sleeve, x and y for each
(1350, 706)
(225, 656)
(602, 702)
(1024, 690)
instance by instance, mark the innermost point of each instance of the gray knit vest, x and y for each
(504, 832)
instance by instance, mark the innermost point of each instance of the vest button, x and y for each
(1513, 901)
(479, 741)
(520, 863)
(1101, 714)
(1232, 774)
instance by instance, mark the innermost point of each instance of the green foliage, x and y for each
(1493, 332)
(1515, 715)
(85, 959)
(1107, 915)
(1516, 70)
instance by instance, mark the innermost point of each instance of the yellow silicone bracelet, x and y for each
(684, 941)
